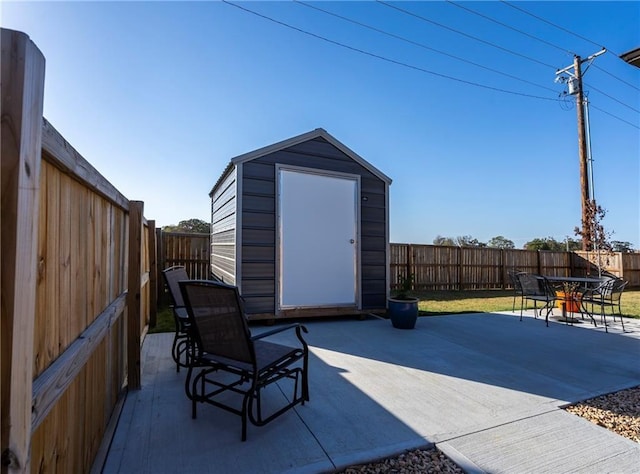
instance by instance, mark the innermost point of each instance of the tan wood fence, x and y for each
(439, 267)
(190, 250)
(436, 267)
(78, 272)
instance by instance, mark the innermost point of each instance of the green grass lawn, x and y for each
(164, 321)
(448, 302)
(486, 301)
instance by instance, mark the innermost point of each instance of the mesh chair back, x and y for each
(216, 313)
(532, 285)
(617, 289)
(515, 280)
(172, 276)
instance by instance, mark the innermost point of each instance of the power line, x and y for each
(540, 39)
(384, 58)
(400, 63)
(612, 98)
(422, 45)
(554, 25)
(576, 35)
(407, 12)
(616, 77)
(583, 38)
(510, 27)
(614, 116)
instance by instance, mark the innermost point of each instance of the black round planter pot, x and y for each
(403, 313)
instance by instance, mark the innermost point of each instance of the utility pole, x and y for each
(575, 88)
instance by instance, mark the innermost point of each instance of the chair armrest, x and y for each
(278, 330)
(299, 330)
(180, 312)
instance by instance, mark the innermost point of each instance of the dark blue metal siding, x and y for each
(259, 223)
(223, 229)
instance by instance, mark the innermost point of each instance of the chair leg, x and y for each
(604, 318)
(613, 312)
(174, 353)
(305, 378)
(200, 378)
(188, 387)
(245, 408)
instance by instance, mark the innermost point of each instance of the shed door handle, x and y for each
(352, 241)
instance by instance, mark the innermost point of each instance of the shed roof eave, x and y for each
(632, 57)
(318, 132)
(224, 174)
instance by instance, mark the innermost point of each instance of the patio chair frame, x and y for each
(608, 293)
(182, 341)
(517, 286)
(537, 289)
(224, 348)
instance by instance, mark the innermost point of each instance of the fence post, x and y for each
(410, 269)
(571, 263)
(134, 330)
(153, 274)
(539, 263)
(159, 263)
(23, 67)
(460, 270)
(503, 269)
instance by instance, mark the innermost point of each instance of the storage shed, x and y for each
(301, 227)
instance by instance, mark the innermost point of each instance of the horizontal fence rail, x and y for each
(438, 267)
(189, 250)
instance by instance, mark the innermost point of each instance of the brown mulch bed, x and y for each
(618, 412)
(412, 462)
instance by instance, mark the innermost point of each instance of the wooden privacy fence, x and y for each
(436, 267)
(190, 250)
(78, 272)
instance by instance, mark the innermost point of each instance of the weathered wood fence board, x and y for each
(77, 278)
(437, 267)
(630, 264)
(433, 267)
(190, 250)
(22, 77)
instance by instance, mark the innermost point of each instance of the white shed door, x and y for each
(317, 242)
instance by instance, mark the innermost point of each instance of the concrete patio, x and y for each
(487, 389)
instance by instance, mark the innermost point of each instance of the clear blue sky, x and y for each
(160, 96)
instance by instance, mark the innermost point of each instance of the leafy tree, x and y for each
(440, 240)
(460, 241)
(573, 244)
(468, 241)
(595, 235)
(545, 243)
(619, 246)
(191, 226)
(549, 243)
(500, 242)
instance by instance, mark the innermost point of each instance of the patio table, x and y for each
(572, 288)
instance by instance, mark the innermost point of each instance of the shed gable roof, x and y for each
(318, 132)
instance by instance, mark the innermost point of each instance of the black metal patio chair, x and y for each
(607, 294)
(517, 286)
(537, 289)
(182, 340)
(228, 359)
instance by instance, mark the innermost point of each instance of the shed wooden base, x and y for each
(314, 313)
